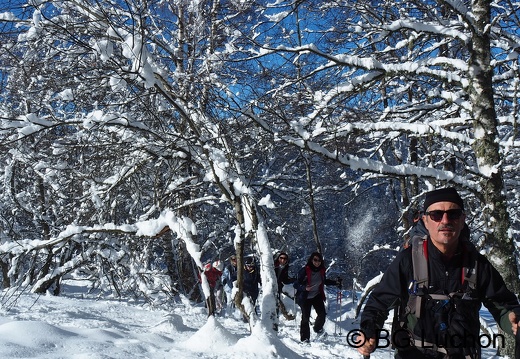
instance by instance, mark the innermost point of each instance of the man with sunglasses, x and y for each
(439, 315)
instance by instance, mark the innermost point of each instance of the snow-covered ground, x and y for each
(77, 326)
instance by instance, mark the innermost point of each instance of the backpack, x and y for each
(420, 274)
(448, 306)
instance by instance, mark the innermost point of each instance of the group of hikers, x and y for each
(309, 285)
(435, 286)
(222, 280)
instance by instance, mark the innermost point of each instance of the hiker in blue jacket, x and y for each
(310, 293)
(439, 307)
(229, 276)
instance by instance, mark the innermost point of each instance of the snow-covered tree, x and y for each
(241, 126)
(400, 91)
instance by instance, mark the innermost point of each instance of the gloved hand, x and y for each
(310, 287)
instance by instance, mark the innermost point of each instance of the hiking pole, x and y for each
(517, 341)
(338, 312)
(340, 304)
(339, 296)
(294, 303)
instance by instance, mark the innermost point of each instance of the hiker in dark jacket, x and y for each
(252, 279)
(446, 309)
(281, 269)
(310, 293)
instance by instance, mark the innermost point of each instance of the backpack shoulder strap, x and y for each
(420, 271)
(469, 270)
(420, 261)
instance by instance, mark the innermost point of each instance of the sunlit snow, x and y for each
(78, 325)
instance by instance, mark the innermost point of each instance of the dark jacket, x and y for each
(251, 282)
(282, 272)
(282, 276)
(303, 279)
(444, 278)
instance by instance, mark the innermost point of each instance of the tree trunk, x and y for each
(312, 207)
(6, 281)
(239, 247)
(487, 151)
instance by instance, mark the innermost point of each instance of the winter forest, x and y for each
(142, 139)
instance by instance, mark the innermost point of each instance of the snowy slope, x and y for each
(77, 326)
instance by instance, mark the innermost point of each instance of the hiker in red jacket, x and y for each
(213, 275)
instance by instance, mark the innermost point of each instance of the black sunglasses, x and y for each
(437, 215)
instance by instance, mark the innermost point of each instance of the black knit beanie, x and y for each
(449, 194)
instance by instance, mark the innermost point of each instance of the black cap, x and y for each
(449, 194)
